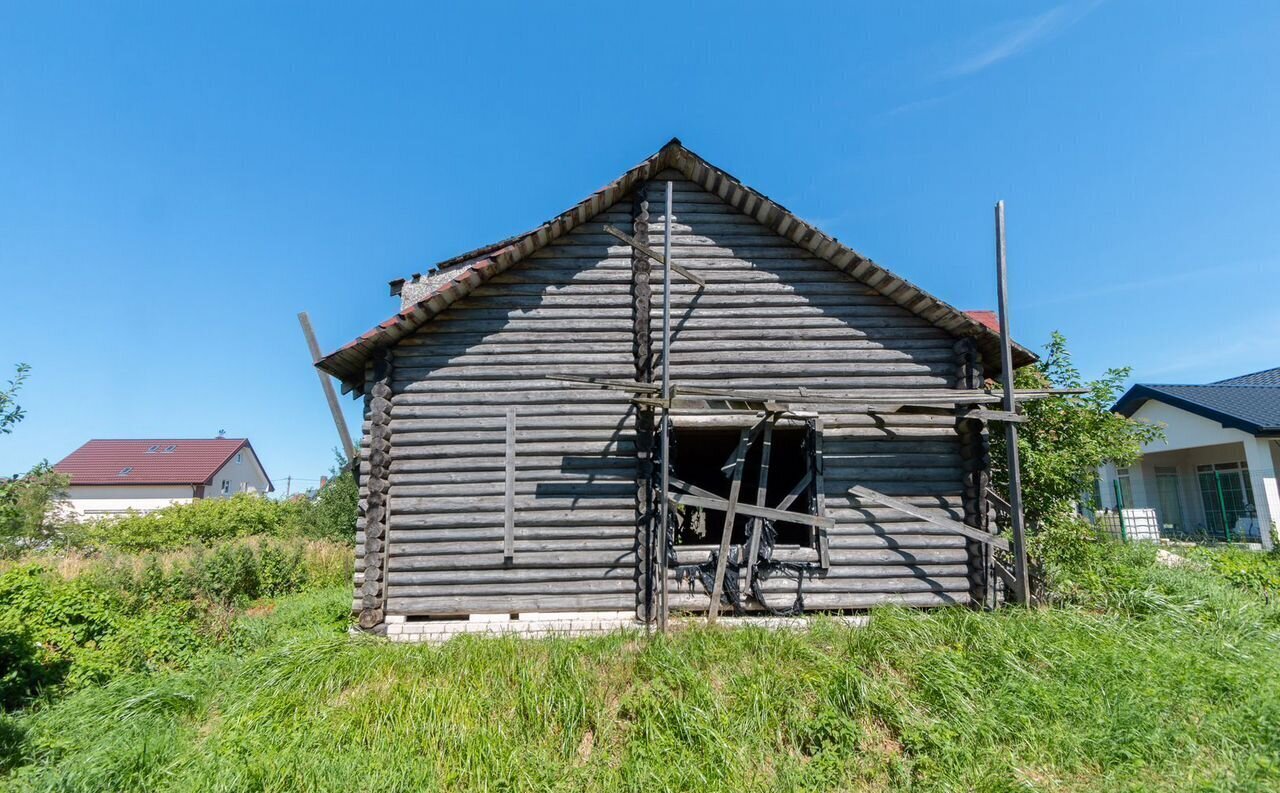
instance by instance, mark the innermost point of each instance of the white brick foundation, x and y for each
(571, 624)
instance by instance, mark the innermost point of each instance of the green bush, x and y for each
(331, 516)
(24, 669)
(202, 521)
(1259, 572)
(71, 621)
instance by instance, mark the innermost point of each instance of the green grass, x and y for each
(1167, 680)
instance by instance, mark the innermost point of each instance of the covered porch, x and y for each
(1223, 492)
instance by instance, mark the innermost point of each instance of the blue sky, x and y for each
(176, 182)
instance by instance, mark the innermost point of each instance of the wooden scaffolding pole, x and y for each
(1022, 589)
(665, 508)
(348, 447)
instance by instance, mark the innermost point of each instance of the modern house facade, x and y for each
(509, 451)
(1213, 477)
(112, 477)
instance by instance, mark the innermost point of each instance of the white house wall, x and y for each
(90, 501)
(1185, 430)
(243, 477)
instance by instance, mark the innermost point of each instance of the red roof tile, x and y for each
(988, 318)
(192, 461)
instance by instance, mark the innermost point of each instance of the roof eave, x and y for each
(1140, 394)
(348, 362)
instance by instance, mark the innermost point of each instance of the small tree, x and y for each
(335, 505)
(10, 411)
(31, 509)
(1063, 442)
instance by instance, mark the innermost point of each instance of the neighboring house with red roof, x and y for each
(111, 477)
(1213, 476)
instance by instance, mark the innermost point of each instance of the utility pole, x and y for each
(1022, 587)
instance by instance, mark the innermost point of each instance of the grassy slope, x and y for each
(1176, 685)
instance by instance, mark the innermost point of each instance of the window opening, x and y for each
(697, 455)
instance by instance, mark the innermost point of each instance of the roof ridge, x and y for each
(347, 362)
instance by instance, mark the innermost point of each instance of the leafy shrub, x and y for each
(333, 513)
(202, 521)
(280, 570)
(230, 576)
(30, 511)
(1258, 572)
(23, 668)
(72, 621)
(331, 516)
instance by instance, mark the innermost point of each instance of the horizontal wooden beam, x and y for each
(722, 505)
(868, 494)
(994, 415)
(652, 254)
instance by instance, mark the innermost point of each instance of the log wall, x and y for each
(772, 315)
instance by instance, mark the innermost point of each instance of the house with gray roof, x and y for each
(1214, 474)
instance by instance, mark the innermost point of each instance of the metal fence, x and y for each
(1211, 503)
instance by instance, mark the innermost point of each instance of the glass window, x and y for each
(1125, 487)
(1224, 490)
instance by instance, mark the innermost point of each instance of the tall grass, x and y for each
(1167, 682)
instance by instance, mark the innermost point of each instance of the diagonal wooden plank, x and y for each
(721, 504)
(652, 254)
(915, 512)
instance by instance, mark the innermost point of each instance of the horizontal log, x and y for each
(550, 575)
(879, 329)
(607, 548)
(474, 469)
(525, 505)
(408, 451)
(508, 604)
(604, 436)
(697, 603)
(526, 560)
(495, 486)
(744, 354)
(514, 588)
(526, 519)
(485, 534)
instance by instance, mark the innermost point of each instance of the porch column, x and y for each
(1262, 478)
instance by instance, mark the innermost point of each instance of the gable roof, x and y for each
(193, 461)
(1249, 403)
(1267, 377)
(463, 273)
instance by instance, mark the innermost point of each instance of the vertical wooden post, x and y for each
(666, 412)
(509, 514)
(762, 491)
(730, 514)
(1022, 585)
(344, 435)
(647, 566)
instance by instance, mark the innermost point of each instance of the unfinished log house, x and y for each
(490, 487)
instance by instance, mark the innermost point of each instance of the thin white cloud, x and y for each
(1151, 285)
(1012, 39)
